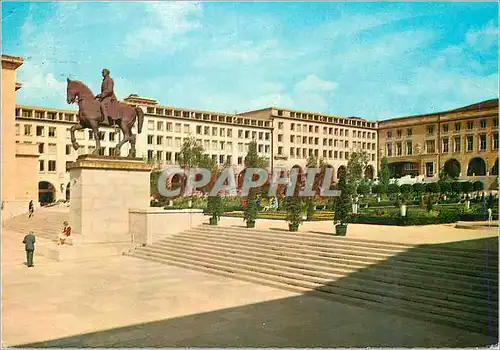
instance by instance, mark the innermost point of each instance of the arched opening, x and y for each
(341, 170)
(369, 172)
(494, 169)
(46, 192)
(68, 192)
(477, 167)
(399, 169)
(452, 168)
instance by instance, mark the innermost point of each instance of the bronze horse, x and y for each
(90, 116)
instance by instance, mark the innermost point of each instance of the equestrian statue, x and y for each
(103, 110)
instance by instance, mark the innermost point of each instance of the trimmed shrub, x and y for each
(466, 186)
(478, 186)
(445, 187)
(393, 189)
(433, 187)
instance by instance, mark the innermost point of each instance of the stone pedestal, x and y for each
(103, 190)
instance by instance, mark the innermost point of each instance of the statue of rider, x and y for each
(107, 98)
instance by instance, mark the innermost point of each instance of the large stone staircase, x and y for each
(46, 223)
(454, 284)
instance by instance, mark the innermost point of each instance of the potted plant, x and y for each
(341, 207)
(294, 213)
(215, 208)
(251, 210)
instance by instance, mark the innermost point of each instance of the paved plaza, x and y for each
(122, 301)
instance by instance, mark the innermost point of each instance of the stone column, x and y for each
(103, 190)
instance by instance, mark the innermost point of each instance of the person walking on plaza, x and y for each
(29, 246)
(31, 209)
(66, 232)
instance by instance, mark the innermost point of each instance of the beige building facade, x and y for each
(462, 142)
(285, 138)
(19, 175)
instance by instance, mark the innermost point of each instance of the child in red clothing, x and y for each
(66, 232)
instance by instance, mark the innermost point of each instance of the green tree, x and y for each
(445, 187)
(406, 191)
(377, 189)
(364, 188)
(384, 175)
(252, 160)
(342, 204)
(355, 167)
(466, 187)
(455, 187)
(418, 189)
(433, 187)
(393, 188)
(478, 186)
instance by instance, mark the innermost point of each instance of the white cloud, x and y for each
(166, 24)
(312, 83)
(483, 38)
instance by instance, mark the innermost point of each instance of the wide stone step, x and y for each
(291, 283)
(325, 238)
(396, 260)
(346, 278)
(338, 266)
(464, 255)
(465, 271)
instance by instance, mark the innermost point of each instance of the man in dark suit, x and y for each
(29, 245)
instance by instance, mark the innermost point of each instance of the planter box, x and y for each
(340, 230)
(213, 221)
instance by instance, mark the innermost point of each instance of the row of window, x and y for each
(30, 113)
(172, 157)
(327, 142)
(305, 153)
(445, 128)
(324, 118)
(329, 131)
(445, 145)
(208, 117)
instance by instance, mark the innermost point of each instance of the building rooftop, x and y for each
(14, 60)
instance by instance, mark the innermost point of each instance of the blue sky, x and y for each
(372, 60)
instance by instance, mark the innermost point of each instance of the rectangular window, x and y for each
(111, 136)
(389, 134)
(495, 141)
(151, 125)
(409, 148)
(68, 149)
(445, 127)
(150, 139)
(457, 144)
(168, 127)
(159, 126)
(429, 169)
(229, 132)
(495, 122)
(41, 147)
(52, 132)
(389, 150)
(482, 142)
(41, 165)
(187, 129)
(52, 165)
(399, 132)
(430, 130)
(470, 125)
(457, 126)
(430, 146)
(40, 130)
(177, 127)
(18, 130)
(168, 156)
(399, 149)
(27, 130)
(159, 140)
(482, 123)
(150, 154)
(470, 143)
(446, 148)
(159, 156)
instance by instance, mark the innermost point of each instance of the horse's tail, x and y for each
(140, 116)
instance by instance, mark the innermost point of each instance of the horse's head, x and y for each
(71, 92)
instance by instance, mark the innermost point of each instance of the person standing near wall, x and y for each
(29, 246)
(31, 209)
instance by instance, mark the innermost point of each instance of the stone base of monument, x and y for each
(102, 192)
